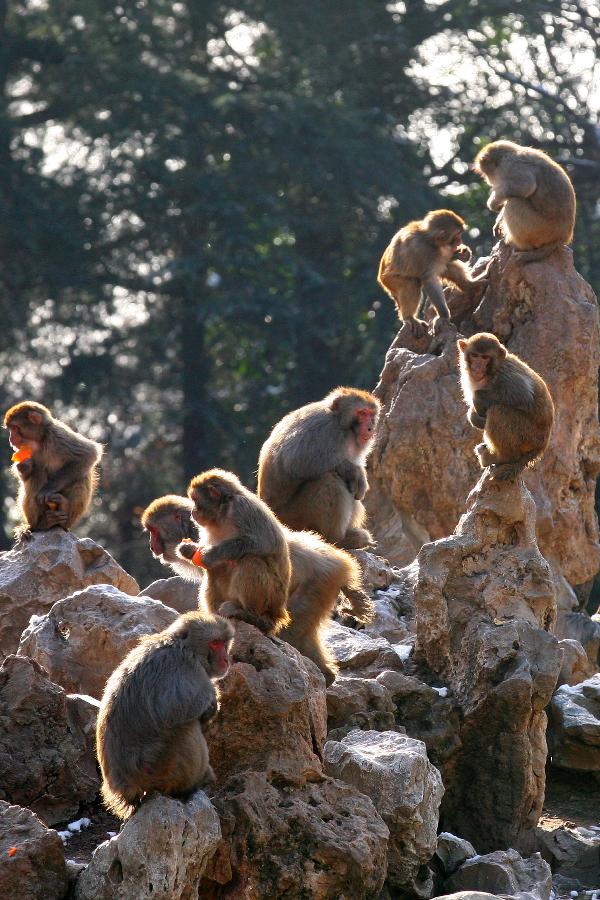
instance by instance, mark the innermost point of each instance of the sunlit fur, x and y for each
(513, 404)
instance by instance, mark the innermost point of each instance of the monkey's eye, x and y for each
(216, 645)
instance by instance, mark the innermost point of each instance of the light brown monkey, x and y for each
(509, 401)
(244, 551)
(319, 572)
(533, 196)
(311, 469)
(149, 733)
(418, 258)
(57, 469)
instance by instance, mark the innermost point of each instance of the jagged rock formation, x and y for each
(49, 566)
(575, 726)
(32, 859)
(176, 592)
(423, 465)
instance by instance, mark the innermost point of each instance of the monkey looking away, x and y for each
(533, 196)
(56, 467)
(418, 258)
(311, 469)
(319, 571)
(509, 401)
(149, 735)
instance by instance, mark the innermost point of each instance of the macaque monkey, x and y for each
(243, 549)
(533, 196)
(509, 401)
(418, 258)
(311, 469)
(56, 467)
(319, 572)
(149, 735)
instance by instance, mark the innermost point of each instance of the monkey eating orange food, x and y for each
(21, 455)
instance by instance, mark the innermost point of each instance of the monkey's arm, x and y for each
(232, 550)
(191, 696)
(460, 275)
(433, 288)
(355, 478)
(520, 183)
(71, 472)
(475, 419)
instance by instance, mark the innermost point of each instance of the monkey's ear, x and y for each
(183, 631)
(34, 417)
(213, 491)
(502, 351)
(335, 404)
(462, 345)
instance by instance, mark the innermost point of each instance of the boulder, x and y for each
(451, 852)
(533, 309)
(83, 638)
(273, 713)
(358, 703)
(573, 852)
(484, 599)
(322, 840)
(575, 665)
(574, 735)
(406, 790)
(160, 853)
(356, 651)
(47, 762)
(176, 592)
(580, 627)
(50, 565)
(503, 873)
(32, 860)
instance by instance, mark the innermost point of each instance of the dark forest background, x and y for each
(194, 197)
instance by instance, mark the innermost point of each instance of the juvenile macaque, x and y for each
(243, 549)
(56, 467)
(509, 401)
(149, 734)
(311, 470)
(418, 258)
(319, 572)
(533, 196)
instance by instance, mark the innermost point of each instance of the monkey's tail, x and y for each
(539, 253)
(116, 802)
(505, 471)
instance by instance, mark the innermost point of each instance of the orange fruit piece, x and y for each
(51, 504)
(22, 454)
(197, 559)
(11, 851)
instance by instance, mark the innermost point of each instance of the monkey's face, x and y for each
(210, 504)
(479, 366)
(24, 433)
(218, 658)
(365, 420)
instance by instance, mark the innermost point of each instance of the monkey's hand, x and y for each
(186, 549)
(475, 419)
(25, 469)
(209, 713)
(355, 478)
(497, 230)
(495, 202)
(463, 253)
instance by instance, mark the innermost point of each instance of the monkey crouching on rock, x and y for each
(507, 400)
(149, 735)
(56, 467)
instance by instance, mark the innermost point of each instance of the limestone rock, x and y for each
(573, 852)
(83, 638)
(575, 726)
(468, 895)
(406, 790)
(580, 627)
(575, 666)
(160, 853)
(321, 841)
(46, 761)
(358, 703)
(36, 868)
(377, 574)
(504, 872)
(273, 715)
(533, 309)
(51, 565)
(176, 592)
(481, 597)
(356, 651)
(451, 853)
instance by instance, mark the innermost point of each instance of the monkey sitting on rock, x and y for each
(507, 400)
(149, 735)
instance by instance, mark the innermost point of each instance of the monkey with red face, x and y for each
(311, 469)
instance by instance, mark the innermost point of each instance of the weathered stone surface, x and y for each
(83, 638)
(406, 790)
(377, 574)
(580, 627)
(573, 852)
(176, 592)
(36, 869)
(160, 853)
(321, 841)
(358, 703)
(574, 735)
(388, 622)
(533, 309)
(468, 895)
(273, 715)
(48, 567)
(504, 872)
(46, 761)
(451, 852)
(575, 666)
(356, 651)
(481, 596)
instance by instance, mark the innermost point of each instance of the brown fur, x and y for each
(311, 469)
(511, 403)
(245, 552)
(533, 195)
(149, 734)
(422, 255)
(168, 521)
(62, 470)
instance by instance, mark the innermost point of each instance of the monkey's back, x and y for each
(547, 216)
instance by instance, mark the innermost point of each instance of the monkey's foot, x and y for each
(441, 325)
(523, 257)
(506, 471)
(417, 327)
(484, 456)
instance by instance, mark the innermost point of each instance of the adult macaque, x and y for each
(418, 258)
(149, 734)
(311, 469)
(319, 572)
(244, 551)
(509, 401)
(56, 467)
(533, 196)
